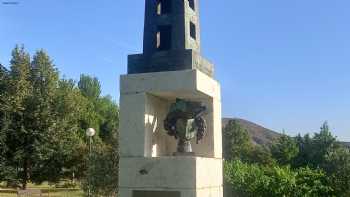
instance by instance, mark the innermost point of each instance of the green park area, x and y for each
(46, 189)
(43, 123)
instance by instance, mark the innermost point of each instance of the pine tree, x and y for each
(284, 150)
(38, 140)
(45, 129)
(4, 77)
(89, 86)
(236, 142)
(18, 156)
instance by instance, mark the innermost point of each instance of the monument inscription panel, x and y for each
(156, 194)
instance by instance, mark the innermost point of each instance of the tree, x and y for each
(284, 150)
(102, 171)
(4, 77)
(17, 98)
(90, 89)
(43, 122)
(313, 151)
(260, 155)
(102, 174)
(39, 139)
(236, 141)
(305, 146)
(44, 134)
(338, 169)
(312, 183)
(323, 143)
(109, 116)
(89, 86)
(71, 108)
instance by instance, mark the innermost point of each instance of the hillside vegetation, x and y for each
(259, 134)
(316, 165)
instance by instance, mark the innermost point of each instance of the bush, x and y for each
(102, 173)
(257, 180)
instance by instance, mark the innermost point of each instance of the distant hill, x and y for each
(259, 134)
(347, 144)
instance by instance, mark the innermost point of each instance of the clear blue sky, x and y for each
(282, 64)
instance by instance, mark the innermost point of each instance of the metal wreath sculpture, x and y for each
(184, 122)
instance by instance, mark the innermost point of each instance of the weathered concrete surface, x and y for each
(184, 51)
(171, 172)
(194, 176)
(146, 162)
(144, 102)
(179, 19)
(169, 61)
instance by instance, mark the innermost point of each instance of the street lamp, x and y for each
(90, 132)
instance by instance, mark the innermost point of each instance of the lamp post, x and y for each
(90, 132)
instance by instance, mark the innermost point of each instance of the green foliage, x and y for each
(245, 179)
(4, 77)
(42, 138)
(109, 116)
(16, 99)
(338, 169)
(261, 155)
(284, 150)
(305, 166)
(43, 122)
(90, 87)
(236, 142)
(312, 183)
(102, 173)
(313, 150)
(323, 143)
(324, 152)
(237, 145)
(259, 180)
(36, 142)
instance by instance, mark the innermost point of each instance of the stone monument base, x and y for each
(146, 167)
(192, 154)
(180, 176)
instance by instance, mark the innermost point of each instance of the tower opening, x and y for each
(191, 4)
(163, 7)
(164, 37)
(193, 32)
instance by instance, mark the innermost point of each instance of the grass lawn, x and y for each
(58, 194)
(55, 192)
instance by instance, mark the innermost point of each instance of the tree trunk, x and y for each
(25, 174)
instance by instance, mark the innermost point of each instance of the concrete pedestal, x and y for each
(191, 176)
(147, 165)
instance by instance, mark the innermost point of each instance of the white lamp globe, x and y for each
(90, 132)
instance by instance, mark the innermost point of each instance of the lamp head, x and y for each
(90, 132)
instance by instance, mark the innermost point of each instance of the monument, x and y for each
(170, 110)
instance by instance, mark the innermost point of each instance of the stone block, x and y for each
(173, 60)
(184, 83)
(170, 172)
(144, 102)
